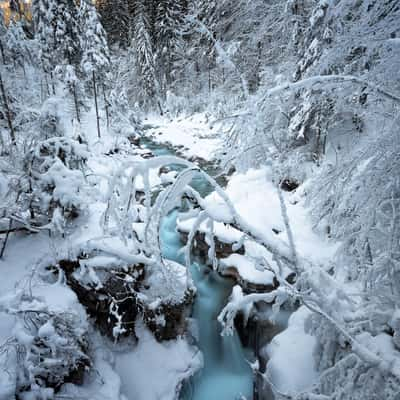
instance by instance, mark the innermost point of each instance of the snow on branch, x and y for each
(326, 79)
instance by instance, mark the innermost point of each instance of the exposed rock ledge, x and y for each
(115, 295)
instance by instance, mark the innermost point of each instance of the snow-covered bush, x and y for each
(50, 124)
(50, 186)
(55, 170)
(49, 345)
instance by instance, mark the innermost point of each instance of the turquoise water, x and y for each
(226, 374)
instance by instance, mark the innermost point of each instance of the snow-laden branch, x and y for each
(240, 302)
(328, 79)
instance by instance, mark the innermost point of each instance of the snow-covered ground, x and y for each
(194, 135)
(291, 362)
(153, 370)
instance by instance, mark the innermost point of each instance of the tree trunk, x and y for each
(95, 102)
(209, 78)
(3, 57)
(78, 118)
(52, 83)
(5, 240)
(106, 106)
(7, 111)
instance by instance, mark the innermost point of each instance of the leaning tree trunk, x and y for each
(95, 102)
(7, 111)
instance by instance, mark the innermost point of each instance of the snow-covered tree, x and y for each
(17, 45)
(43, 17)
(144, 57)
(116, 19)
(58, 33)
(169, 16)
(95, 56)
(67, 35)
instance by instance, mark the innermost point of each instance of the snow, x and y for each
(197, 137)
(247, 269)
(22, 254)
(104, 384)
(167, 291)
(291, 363)
(154, 371)
(224, 232)
(58, 298)
(256, 199)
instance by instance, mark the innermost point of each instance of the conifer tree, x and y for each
(67, 45)
(43, 19)
(3, 94)
(95, 55)
(16, 43)
(169, 14)
(142, 47)
(116, 19)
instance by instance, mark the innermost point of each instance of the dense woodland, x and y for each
(308, 90)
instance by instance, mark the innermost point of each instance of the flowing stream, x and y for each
(226, 374)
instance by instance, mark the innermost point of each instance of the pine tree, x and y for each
(169, 15)
(67, 37)
(66, 31)
(116, 19)
(43, 19)
(7, 111)
(16, 44)
(4, 97)
(95, 56)
(142, 47)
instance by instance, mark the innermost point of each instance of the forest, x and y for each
(200, 199)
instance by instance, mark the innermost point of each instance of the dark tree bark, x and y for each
(95, 102)
(106, 106)
(7, 111)
(5, 240)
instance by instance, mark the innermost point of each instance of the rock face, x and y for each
(134, 140)
(256, 334)
(248, 286)
(115, 302)
(168, 321)
(201, 247)
(224, 250)
(289, 185)
(113, 305)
